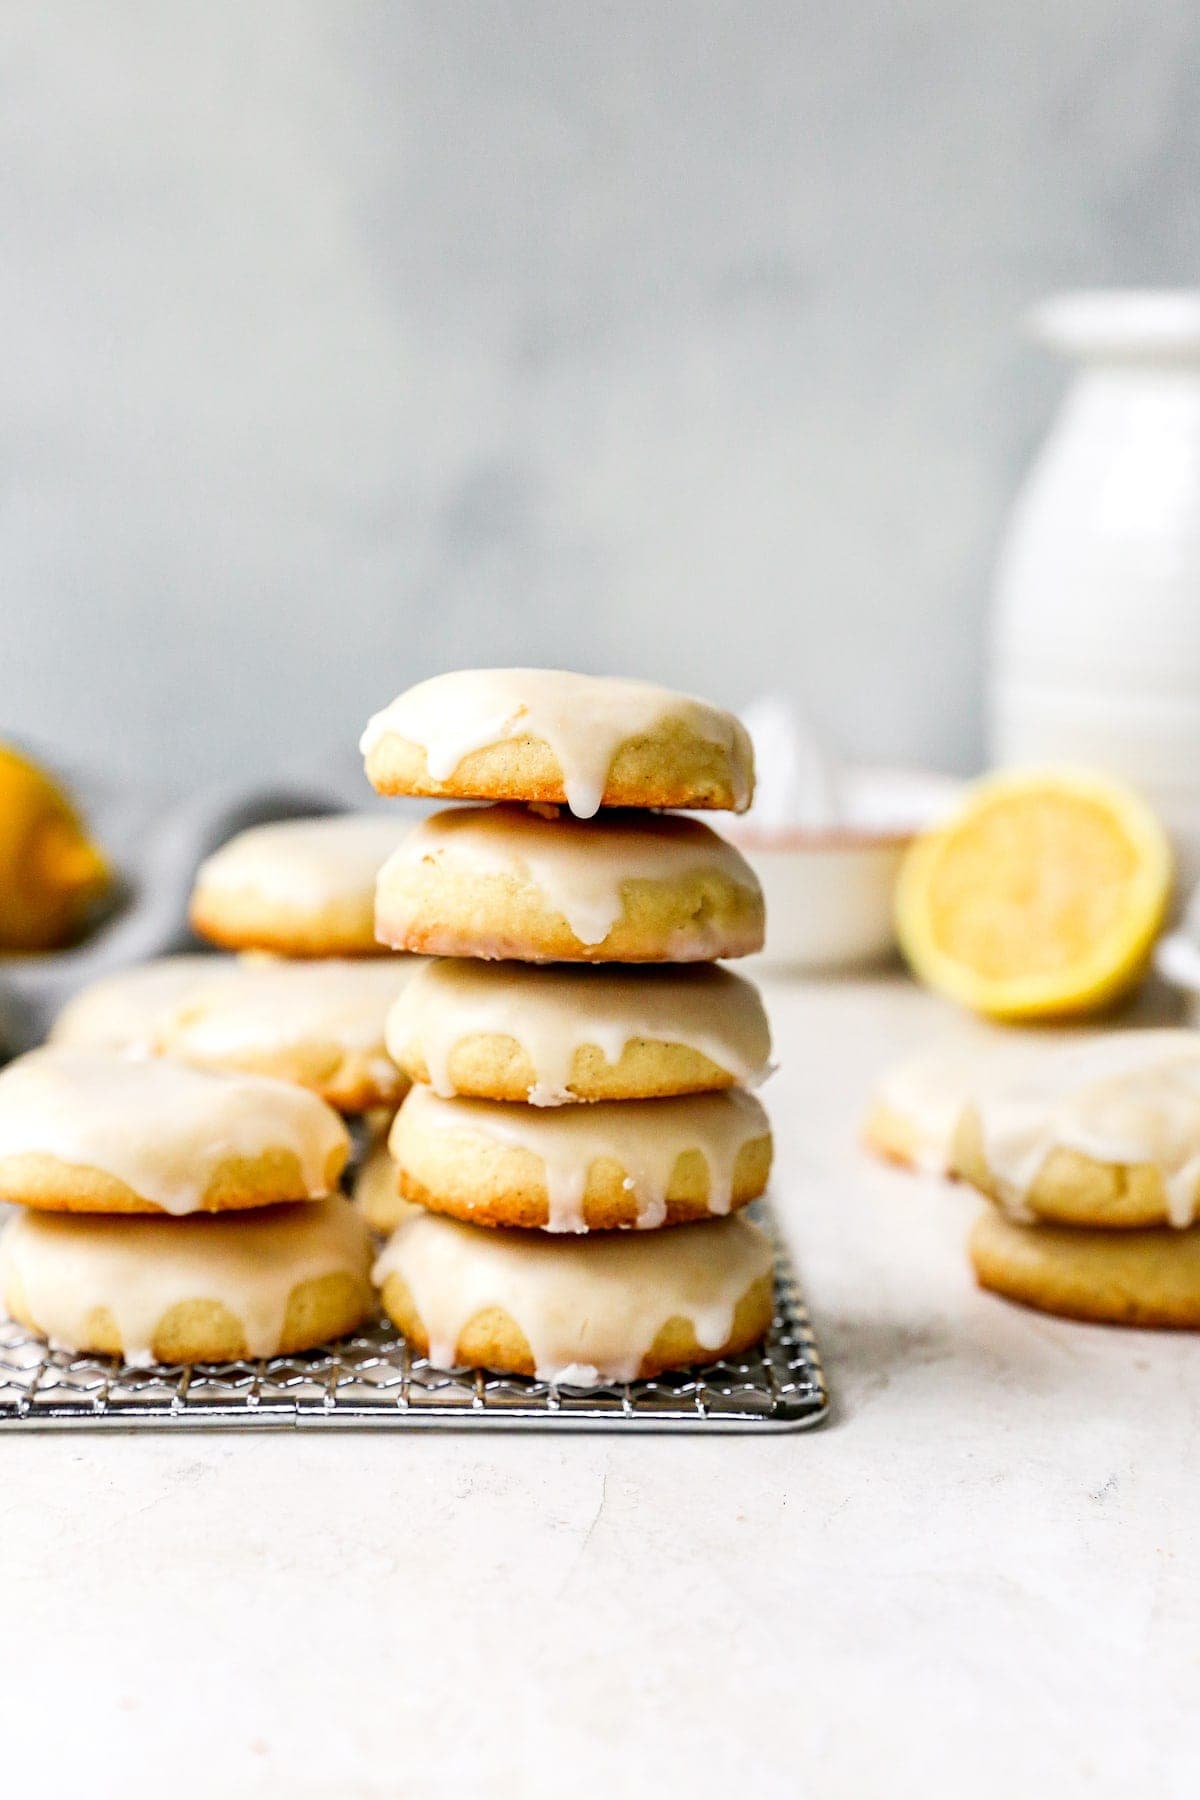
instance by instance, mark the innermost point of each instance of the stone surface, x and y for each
(980, 1578)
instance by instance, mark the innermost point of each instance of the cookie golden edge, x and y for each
(319, 1311)
(670, 768)
(888, 1135)
(494, 1340)
(48, 1184)
(350, 1081)
(1070, 1188)
(491, 1066)
(375, 1190)
(702, 916)
(1138, 1278)
(244, 923)
(469, 1177)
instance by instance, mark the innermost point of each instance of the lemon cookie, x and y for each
(320, 1024)
(94, 1131)
(376, 1191)
(501, 882)
(639, 1163)
(1111, 1277)
(511, 1031)
(127, 1011)
(584, 741)
(212, 1289)
(606, 1308)
(1105, 1132)
(917, 1104)
(300, 887)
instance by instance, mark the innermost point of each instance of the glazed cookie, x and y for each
(607, 1308)
(93, 1131)
(320, 1024)
(126, 1011)
(917, 1104)
(501, 882)
(1110, 1277)
(213, 1289)
(511, 1031)
(300, 887)
(583, 741)
(1106, 1132)
(637, 1163)
(376, 1191)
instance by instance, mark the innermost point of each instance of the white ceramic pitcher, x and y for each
(1096, 624)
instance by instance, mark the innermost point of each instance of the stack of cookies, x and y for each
(1088, 1149)
(310, 1006)
(307, 999)
(580, 1134)
(1093, 1167)
(179, 1099)
(172, 1214)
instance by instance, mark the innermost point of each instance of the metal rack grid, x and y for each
(373, 1380)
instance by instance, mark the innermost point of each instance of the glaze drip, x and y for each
(553, 1012)
(583, 721)
(589, 1309)
(67, 1266)
(644, 1137)
(160, 1126)
(1127, 1098)
(580, 868)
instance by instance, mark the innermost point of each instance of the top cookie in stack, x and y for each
(574, 1099)
(549, 737)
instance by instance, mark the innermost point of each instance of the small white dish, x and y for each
(829, 896)
(830, 890)
(1177, 960)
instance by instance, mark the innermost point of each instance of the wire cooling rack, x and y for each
(374, 1380)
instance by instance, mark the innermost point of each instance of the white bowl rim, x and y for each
(1177, 960)
(822, 837)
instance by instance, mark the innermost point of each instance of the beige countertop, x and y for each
(982, 1576)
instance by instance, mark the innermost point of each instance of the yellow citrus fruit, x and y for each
(50, 871)
(1040, 897)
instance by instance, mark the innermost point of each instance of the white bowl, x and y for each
(1177, 960)
(830, 890)
(829, 896)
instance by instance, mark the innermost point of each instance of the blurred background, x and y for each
(343, 344)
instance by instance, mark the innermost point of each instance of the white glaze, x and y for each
(930, 1092)
(303, 865)
(645, 1137)
(590, 1309)
(138, 1268)
(126, 1011)
(583, 720)
(553, 1012)
(580, 868)
(263, 1007)
(1130, 1097)
(158, 1125)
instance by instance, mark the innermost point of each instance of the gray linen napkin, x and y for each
(155, 847)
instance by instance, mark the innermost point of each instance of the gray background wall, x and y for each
(341, 343)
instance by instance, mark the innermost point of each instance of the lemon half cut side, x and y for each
(1040, 897)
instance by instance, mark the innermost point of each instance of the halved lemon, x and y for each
(1041, 896)
(51, 873)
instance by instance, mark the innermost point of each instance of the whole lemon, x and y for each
(50, 871)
